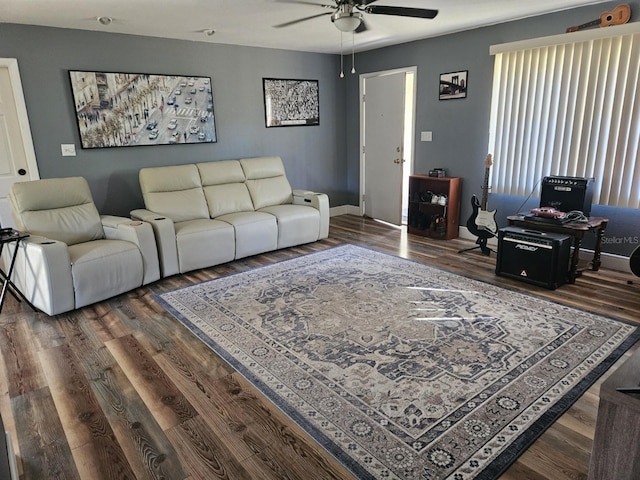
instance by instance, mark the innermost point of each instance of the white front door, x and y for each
(384, 143)
(17, 155)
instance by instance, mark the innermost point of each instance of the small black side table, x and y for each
(9, 235)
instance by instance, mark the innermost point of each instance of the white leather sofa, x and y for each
(74, 256)
(210, 213)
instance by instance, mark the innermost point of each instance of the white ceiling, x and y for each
(250, 22)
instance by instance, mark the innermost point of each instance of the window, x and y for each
(569, 105)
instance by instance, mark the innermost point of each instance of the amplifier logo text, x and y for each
(528, 248)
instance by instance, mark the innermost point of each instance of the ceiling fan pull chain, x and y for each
(341, 58)
(353, 52)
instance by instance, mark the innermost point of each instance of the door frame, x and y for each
(409, 134)
(11, 64)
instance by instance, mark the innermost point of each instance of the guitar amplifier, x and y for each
(540, 258)
(567, 193)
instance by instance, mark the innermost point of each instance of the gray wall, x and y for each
(314, 156)
(324, 158)
(461, 127)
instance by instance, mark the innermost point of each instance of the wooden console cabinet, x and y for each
(433, 219)
(616, 445)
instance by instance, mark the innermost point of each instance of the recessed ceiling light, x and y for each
(105, 20)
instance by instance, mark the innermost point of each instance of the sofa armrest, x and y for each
(42, 273)
(139, 233)
(301, 193)
(320, 202)
(165, 235)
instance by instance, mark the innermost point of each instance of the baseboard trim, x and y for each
(345, 210)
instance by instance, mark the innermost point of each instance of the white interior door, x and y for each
(383, 145)
(17, 156)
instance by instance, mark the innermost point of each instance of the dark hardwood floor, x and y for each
(121, 390)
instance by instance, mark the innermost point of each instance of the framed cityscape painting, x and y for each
(453, 85)
(291, 103)
(134, 109)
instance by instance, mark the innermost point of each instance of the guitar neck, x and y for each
(485, 190)
(593, 23)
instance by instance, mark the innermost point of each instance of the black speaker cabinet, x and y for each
(540, 258)
(567, 194)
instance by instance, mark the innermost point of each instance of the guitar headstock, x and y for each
(489, 161)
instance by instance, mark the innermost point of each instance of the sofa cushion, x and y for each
(57, 208)
(104, 268)
(203, 243)
(266, 181)
(224, 187)
(297, 224)
(220, 172)
(256, 232)
(174, 192)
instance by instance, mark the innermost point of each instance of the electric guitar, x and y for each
(618, 16)
(482, 222)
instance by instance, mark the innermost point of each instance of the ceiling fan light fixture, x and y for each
(347, 21)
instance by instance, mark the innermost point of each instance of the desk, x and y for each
(8, 235)
(576, 230)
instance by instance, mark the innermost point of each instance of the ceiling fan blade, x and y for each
(362, 27)
(402, 11)
(293, 22)
(364, 3)
(302, 2)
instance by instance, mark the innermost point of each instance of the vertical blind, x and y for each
(571, 109)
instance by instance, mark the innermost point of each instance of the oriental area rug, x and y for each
(401, 370)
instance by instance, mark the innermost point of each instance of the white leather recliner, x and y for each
(74, 256)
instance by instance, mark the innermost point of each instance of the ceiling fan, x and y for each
(347, 15)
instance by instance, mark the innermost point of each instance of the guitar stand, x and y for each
(482, 245)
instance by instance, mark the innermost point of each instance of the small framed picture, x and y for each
(453, 85)
(290, 103)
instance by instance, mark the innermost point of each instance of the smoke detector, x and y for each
(104, 20)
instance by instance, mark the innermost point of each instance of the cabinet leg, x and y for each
(573, 270)
(595, 264)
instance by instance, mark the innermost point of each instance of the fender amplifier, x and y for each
(540, 258)
(567, 194)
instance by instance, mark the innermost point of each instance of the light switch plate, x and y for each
(426, 136)
(68, 149)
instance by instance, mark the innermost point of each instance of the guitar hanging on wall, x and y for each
(618, 16)
(482, 222)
